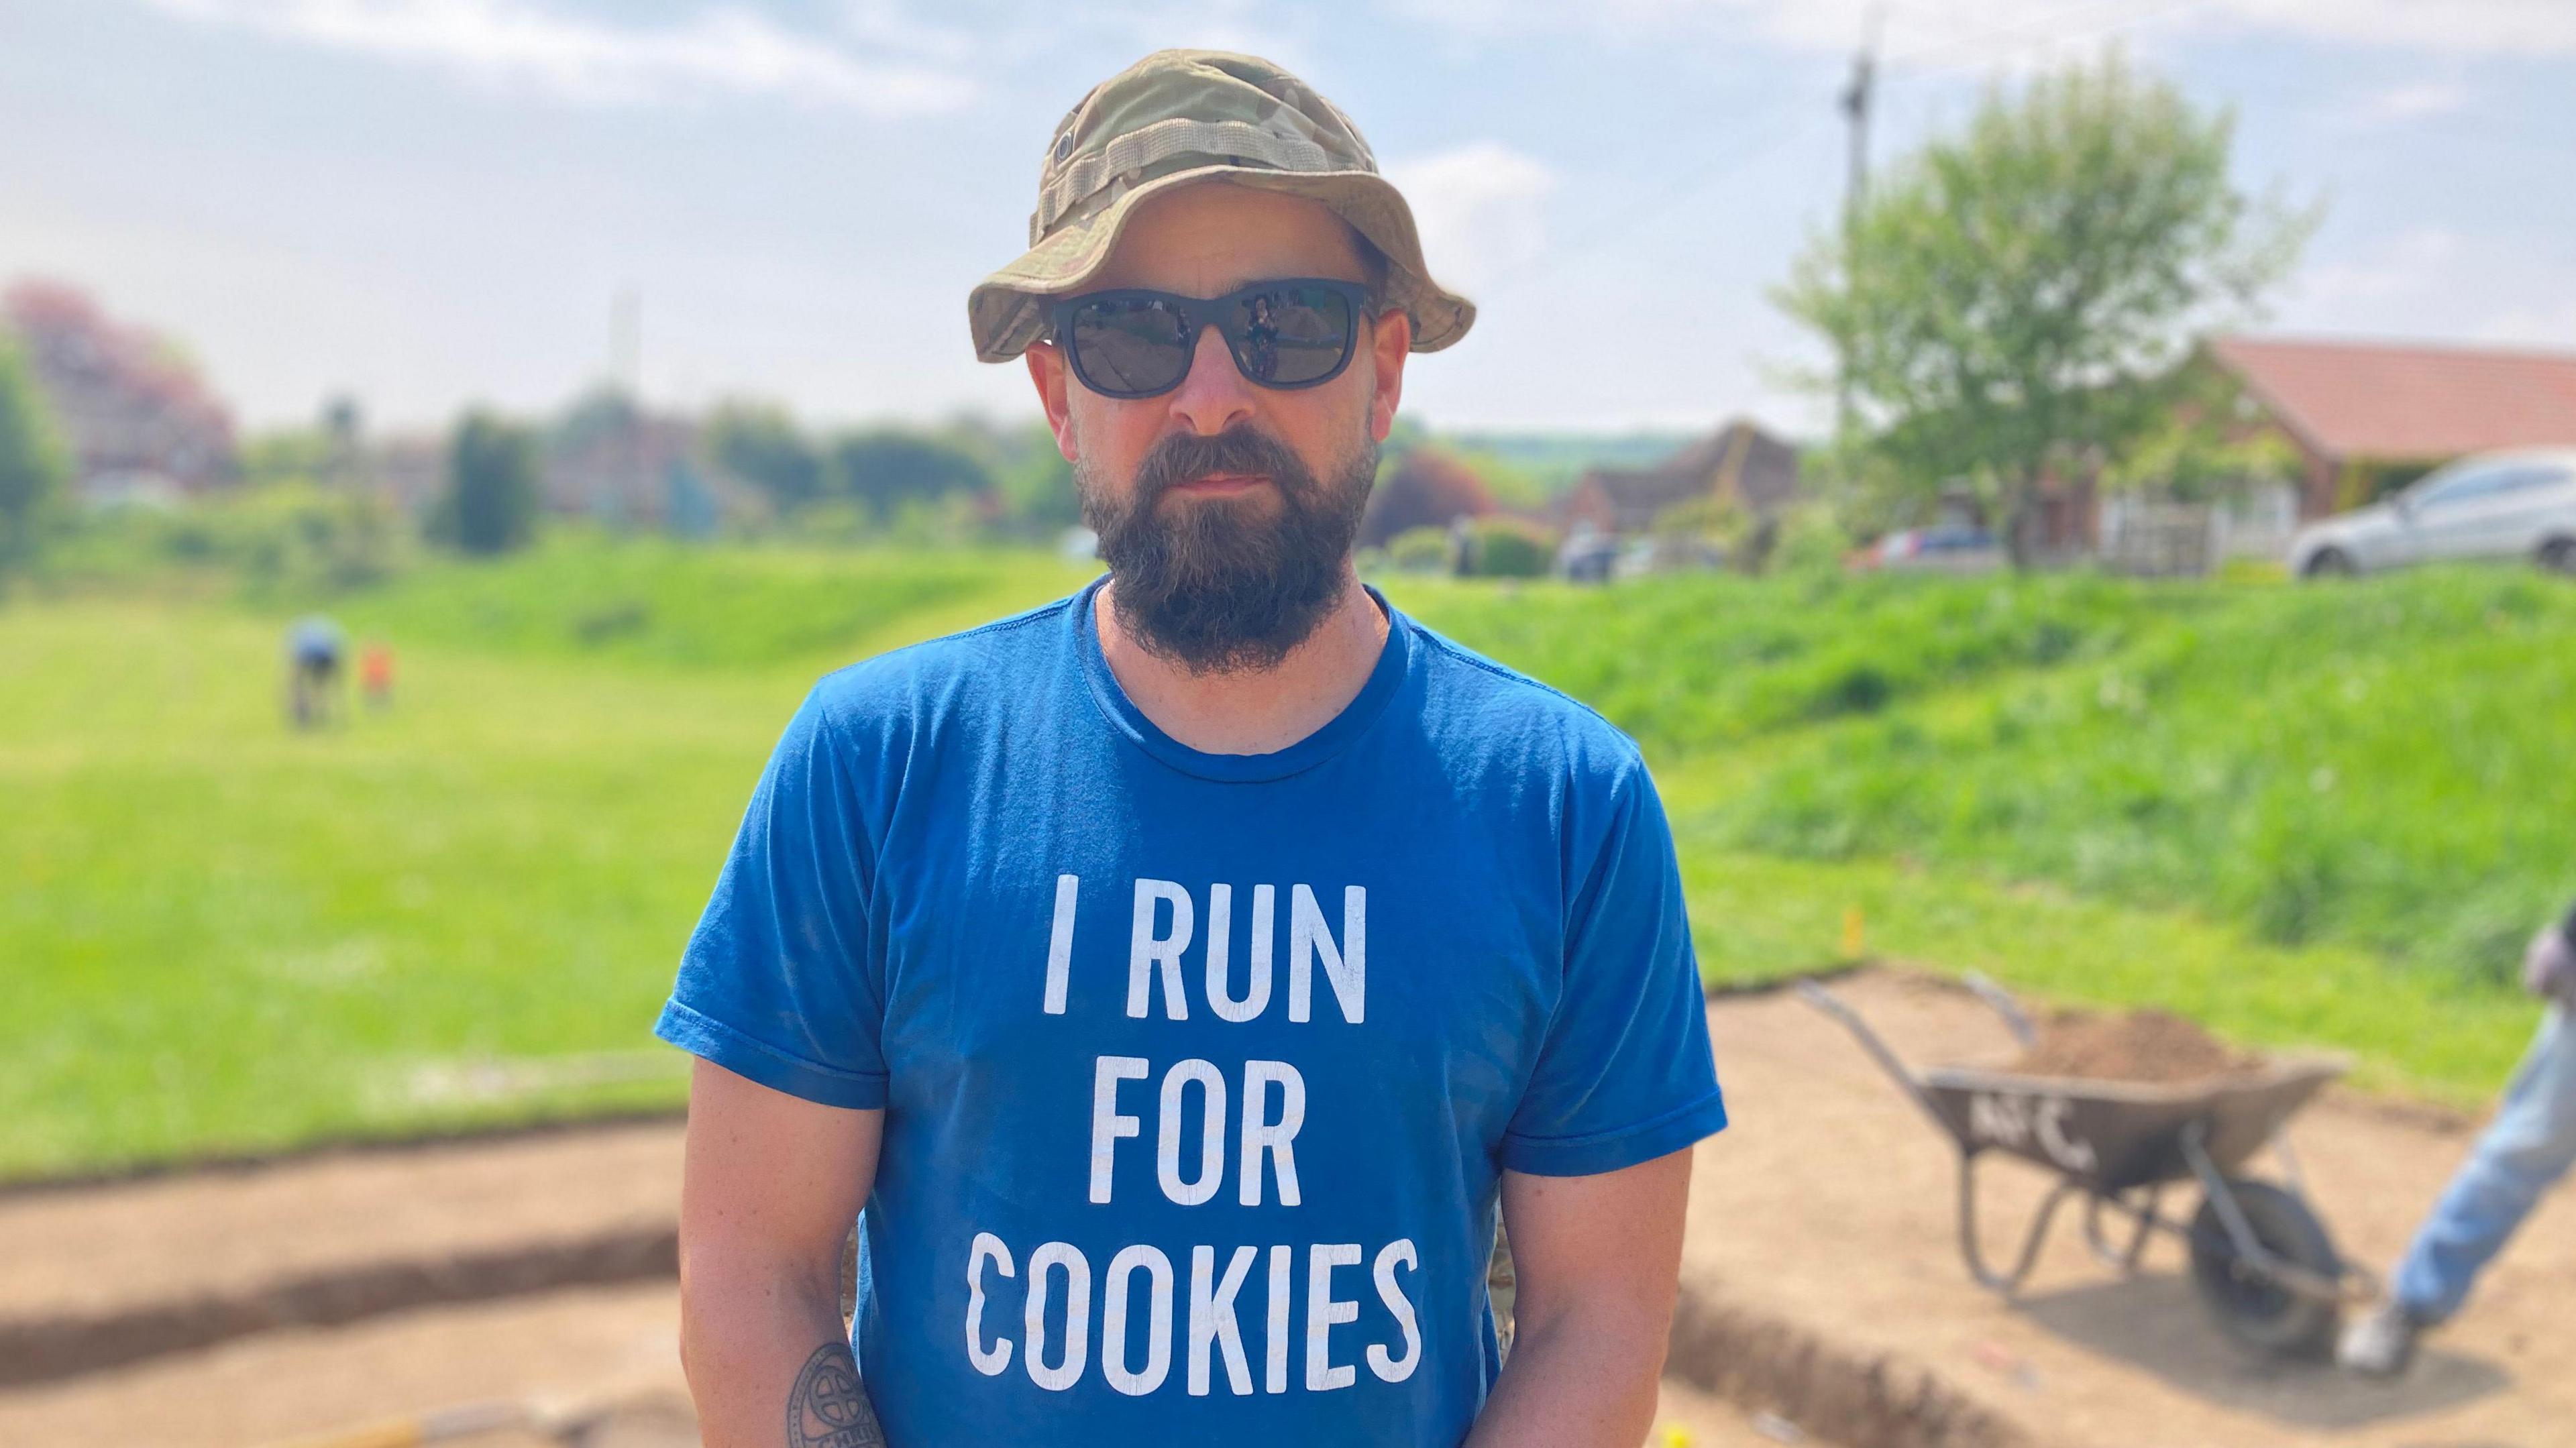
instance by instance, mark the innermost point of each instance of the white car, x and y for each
(2494, 505)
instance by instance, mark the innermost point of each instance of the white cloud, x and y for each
(2412, 265)
(1040, 33)
(1952, 35)
(724, 49)
(2456, 27)
(2533, 323)
(884, 24)
(1481, 209)
(2443, 283)
(2413, 101)
(1956, 32)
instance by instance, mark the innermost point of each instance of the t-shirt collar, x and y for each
(1123, 715)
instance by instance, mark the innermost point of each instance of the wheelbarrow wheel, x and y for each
(2255, 1310)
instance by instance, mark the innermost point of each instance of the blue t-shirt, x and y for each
(1199, 1071)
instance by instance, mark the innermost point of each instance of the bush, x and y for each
(1508, 548)
(286, 540)
(1811, 541)
(33, 469)
(1422, 550)
(886, 468)
(762, 446)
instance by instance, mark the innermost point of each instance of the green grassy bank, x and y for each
(2305, 815)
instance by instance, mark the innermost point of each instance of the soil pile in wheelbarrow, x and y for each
(2150, 1046)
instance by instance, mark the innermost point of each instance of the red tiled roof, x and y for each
(2403, 403)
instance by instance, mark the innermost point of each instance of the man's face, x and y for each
(1225, 509)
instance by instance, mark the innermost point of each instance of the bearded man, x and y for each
(1183, 976)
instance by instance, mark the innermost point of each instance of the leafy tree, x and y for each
(605, 411)
(1743, 535)
(1508, 483)
(884, 468)
(285, 456)
(1035, 484)
(491, 501)
(1425, 487)
(763, 446)
(2205, 445)
(2007, 301)
(33, 468)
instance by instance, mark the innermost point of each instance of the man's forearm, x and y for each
(1576, 1381)
(769, 1366)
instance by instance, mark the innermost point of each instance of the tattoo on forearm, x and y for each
(827, 1408)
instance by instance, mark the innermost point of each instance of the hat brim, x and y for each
(1007, 310)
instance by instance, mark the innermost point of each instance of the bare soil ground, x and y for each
(99, 1250)
(601, 1359)
(605, 1345)
(600, 1362)
(1830, 1203)
(1821, 1269)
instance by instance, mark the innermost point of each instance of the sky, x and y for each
(430, 203)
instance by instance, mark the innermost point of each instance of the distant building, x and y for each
(140, 422)
(604, 459)
(1740, 463)
(410, 469)
(2366, 417)
(611, 460)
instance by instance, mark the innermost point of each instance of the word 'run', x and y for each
(1164, 925)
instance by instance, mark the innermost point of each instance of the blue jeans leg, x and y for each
(2528, 1147)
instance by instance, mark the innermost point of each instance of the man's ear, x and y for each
(1390, 342)
(1047, 370)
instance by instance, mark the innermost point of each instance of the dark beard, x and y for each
(1214, 585)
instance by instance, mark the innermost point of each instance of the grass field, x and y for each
(2303, 815)
(221, 935)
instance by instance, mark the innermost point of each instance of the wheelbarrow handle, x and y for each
(2001, 1002)
(1888, 1061)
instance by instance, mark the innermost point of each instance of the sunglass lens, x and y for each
(1291, 336)
(1132, 346)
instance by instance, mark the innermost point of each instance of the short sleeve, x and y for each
(1625, 1074)
(778, 983)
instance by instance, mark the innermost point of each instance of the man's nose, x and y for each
(1214, 396)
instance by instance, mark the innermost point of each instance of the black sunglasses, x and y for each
(1133, 343)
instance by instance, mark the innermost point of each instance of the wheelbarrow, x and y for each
(2261, 1260)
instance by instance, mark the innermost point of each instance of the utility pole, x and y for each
(1856, 99)
(626, 384)
(626, 341)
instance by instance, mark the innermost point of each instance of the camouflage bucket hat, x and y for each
(1183, 116)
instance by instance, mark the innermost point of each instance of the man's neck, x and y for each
(1251, 711)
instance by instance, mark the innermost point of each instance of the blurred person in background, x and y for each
(313, 648)
(376, 673)
(2524, 1151)
(1181, 975)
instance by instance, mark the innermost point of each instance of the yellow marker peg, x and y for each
(1855, 934)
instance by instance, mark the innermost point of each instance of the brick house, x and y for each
(2367, 417)
(1740, 462)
